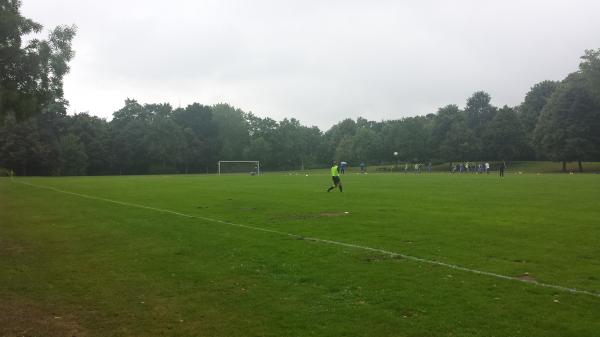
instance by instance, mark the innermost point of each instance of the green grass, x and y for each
(108, 269)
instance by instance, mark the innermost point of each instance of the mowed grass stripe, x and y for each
(332, 242)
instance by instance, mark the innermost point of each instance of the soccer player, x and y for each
(335, 175)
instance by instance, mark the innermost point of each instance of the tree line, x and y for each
(558, 120)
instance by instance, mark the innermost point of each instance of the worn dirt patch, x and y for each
(25, 319)
(332, 214)
(526, 277)
(10, 248)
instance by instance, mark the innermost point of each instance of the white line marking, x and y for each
(331, 242)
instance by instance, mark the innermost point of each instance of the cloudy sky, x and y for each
(317, 61)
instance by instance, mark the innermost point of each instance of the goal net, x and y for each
(239, 166)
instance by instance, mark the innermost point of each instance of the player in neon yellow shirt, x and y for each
(335, 175)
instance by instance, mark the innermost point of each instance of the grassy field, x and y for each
(206, 255)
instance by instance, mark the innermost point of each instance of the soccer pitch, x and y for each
(275, 255)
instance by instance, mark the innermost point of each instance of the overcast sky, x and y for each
(317, 61)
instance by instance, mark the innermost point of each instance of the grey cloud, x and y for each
(317, 61)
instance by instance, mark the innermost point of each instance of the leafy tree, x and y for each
(362, 147)
(131, 111)
(200, 133)
(459, 145)
(164, 141)
(345, 149)
(451, 137)
(73, 158)
(127, 133)
(260, 149)
(233, 131)
(534, 103)
(442, 126)
(21, 148)
(504, 137)
(355, 141)
(31, 75)
(93, 133)
(589, 68)
(295, 145)
(409, 137)
(569, 125)
(479, 110)
(263, 138)
(335, 135)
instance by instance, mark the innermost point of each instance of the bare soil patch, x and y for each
(332, 214)
(10, 248)
(526, 277)
(24, 319)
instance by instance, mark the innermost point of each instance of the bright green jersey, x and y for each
(334, 171)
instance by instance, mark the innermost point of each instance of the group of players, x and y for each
(458, 167)
(470, 167)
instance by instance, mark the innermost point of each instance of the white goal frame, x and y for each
(239, 161)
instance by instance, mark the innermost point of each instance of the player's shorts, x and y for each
(336, 179)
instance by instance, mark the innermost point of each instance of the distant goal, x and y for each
(239, 166)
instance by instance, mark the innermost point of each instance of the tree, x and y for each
(362, 147)
(589, 68)
(335, 135)
(200, 133)
(21, 148)
(72, 156)
(345, 149)
(534, 103)
(93, 133)
(263, 134)
(260, 149)
(31, 75)
(295, 145)
(569, 125)
(127, 134)
(233, 131)
(479, 110)
(451, 136)
(409, 137)
(504, 137)
(164, 141)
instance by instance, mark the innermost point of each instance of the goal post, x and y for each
(238, 166)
